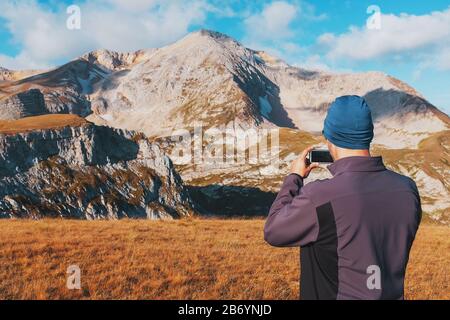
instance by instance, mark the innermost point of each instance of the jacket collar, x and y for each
(357, 164)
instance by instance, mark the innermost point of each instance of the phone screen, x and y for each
(321, 156)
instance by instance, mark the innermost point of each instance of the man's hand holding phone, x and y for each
(302, 166)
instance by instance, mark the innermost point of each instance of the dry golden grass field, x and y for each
(185, 259)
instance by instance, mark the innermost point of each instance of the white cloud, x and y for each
(45, 40)
(271, 29)
(308, 12)
(273, 22)
(424, 37)
(443, 58)
(313, 62)
(20, 62)
(133, 5)
(278, 26)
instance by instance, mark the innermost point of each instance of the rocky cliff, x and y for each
(23, 104)
(88, 172)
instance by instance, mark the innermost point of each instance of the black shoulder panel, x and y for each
(319, 260)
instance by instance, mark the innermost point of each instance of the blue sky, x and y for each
(412, 43)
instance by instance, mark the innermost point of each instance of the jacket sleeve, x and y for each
(292, 219)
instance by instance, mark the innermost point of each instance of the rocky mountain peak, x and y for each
(208, 35)
(114, 61)
(5, 74)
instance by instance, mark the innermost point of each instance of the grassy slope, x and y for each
(48, 121)
(194, 259)
(432, 156)
(291, 141)
(432, 151)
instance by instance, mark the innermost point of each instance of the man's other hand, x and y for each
(300, 165)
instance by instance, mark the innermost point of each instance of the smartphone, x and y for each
(319, 155)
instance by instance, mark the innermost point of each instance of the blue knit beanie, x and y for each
(349, 123)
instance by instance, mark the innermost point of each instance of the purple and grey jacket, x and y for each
(355, 230)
